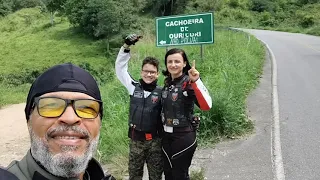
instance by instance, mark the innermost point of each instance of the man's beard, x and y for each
(65, 163)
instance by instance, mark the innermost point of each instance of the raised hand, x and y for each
(131, 39)
(193, 73)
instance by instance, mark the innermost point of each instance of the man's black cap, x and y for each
(63, 77)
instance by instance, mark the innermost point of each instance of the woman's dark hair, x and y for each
(152, 61)
(185, 59)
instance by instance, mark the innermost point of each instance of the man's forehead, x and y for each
(67, 95)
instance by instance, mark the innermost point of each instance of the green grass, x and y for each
(197, 175)
(230, 69)
(29, 45)
(13, 94)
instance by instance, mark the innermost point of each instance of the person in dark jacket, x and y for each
(64, 112)
(183, 88)
(144, 120)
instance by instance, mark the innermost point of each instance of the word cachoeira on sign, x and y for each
(184, 22)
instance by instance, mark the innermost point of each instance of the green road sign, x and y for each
(184, 30)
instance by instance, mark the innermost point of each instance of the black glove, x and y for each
(132, 39)
(195, 122)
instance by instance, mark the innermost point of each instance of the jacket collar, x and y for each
(148, 87)
(177, 80)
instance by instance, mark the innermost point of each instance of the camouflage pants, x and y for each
(145, 152)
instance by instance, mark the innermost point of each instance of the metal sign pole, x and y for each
(201, 51)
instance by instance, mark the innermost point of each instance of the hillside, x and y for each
(284, 15)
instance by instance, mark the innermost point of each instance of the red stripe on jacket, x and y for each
(201, 99)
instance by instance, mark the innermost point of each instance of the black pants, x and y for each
(178, 150)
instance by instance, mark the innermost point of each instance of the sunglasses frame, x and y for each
(68, 102)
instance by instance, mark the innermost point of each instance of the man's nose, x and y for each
(69, 116)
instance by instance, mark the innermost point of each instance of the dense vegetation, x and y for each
(109, 18)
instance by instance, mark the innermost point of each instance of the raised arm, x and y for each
(202, 95)
(121, 67)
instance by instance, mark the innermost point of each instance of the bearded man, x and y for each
(64, 112)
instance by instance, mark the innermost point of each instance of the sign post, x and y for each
(185, 30)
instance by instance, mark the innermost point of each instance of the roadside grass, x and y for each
(197, 175)
(13, 94)
(230, 69)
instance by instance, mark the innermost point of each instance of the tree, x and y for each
(262, 5)
(166, 7)
(20, 4)
(5, 7)
(101, 18)
(303, 2)
(52, 6)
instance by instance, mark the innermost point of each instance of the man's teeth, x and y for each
(66, 137)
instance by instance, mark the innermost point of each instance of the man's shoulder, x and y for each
(96, 172)
(19, 169)
(6, 175)
(14, 168)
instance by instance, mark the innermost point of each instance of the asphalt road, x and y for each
(297, 99)
(248, 158)
(298, 62)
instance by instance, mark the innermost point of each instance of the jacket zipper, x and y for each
(133, 126)
(144, 100)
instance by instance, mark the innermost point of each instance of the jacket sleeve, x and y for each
(203, 97)
(122, 73)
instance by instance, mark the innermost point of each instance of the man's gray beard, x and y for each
(64, 164)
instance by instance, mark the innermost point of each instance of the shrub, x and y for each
(234, 3)
(100, 18)
(266, 19)
(261, 6)
(307, 21)
(8, 6)
(238, 15)
(314, 31)
(20, 4)
(5, 7)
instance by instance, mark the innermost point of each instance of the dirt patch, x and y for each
(14, 141)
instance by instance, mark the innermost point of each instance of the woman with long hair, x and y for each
(183, 88)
